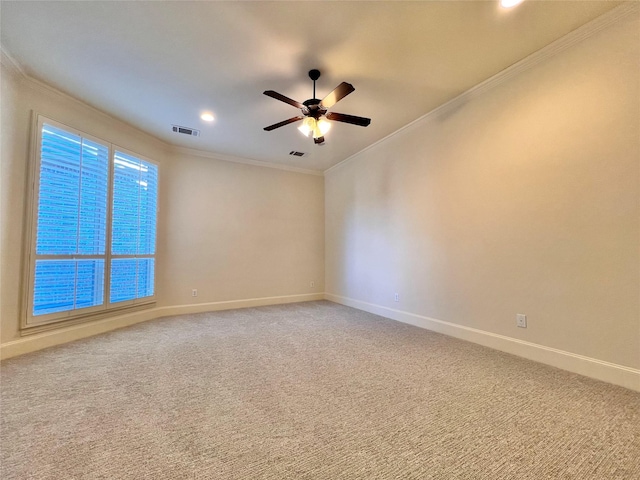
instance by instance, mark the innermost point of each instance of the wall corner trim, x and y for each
(589, 367)
(554, 48)
(52, 338)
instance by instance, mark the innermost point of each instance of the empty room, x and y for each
(320, 240)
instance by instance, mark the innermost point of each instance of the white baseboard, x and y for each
(589, 367)
(39, 341)
(232, 304)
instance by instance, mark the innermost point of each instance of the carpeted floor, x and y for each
(305, 391)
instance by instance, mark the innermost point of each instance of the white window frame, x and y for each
(37, 323)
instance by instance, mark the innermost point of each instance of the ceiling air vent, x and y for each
(297, 154)
(186, 130)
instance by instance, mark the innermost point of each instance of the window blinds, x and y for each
(135, 192)
(72, 258)
(71, 222)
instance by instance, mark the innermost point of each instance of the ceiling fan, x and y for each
(314, 112)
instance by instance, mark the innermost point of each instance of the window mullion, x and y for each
(138, 232)
(75, 283)
(79, 196)
(109, 240)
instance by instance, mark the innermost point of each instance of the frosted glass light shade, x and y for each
(316, 127)
(324, 125)
(308, 126)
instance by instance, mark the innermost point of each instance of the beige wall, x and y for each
(525, 200)
(13, 144)
(232, 231)
(236, 231)
(24, 97)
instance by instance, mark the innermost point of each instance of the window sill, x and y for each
(84, 318)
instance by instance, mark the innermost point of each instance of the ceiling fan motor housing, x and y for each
(313, 108)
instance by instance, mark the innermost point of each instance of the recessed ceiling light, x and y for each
(510, 3)
(207, 117)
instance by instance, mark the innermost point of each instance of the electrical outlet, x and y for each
(194, 292)
(312, 284)
(521, 320)
(396, 297)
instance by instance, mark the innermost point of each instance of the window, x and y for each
(95, 227)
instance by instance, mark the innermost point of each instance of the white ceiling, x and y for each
(153, 64)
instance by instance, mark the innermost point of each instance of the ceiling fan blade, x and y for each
(282, 98)
(338, 94)
(318, 141)
(341, 117)
(283, 123)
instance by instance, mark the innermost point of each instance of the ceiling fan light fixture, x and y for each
(308, 126)
(323, 125)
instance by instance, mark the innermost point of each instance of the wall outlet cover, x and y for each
(521, 320)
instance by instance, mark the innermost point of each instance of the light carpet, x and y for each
(305, 391)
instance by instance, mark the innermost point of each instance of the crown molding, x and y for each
(7, 60)
(245, 161)
(563, 43)
(15, 67)
(48, 89)
(554, 48)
